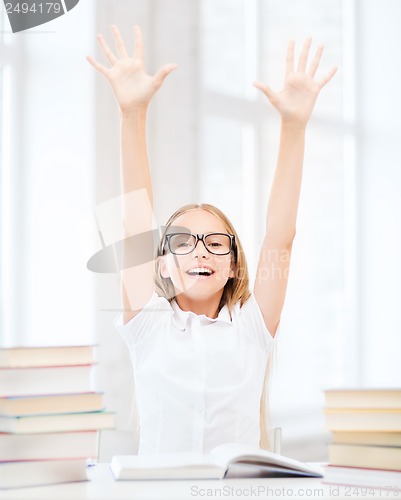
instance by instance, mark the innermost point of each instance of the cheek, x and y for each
(225, 267)
(174, 265)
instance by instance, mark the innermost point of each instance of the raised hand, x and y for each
(132, 87)
(297, 98)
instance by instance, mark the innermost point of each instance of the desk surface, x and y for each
(103, 486)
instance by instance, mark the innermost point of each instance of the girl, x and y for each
(201, 345)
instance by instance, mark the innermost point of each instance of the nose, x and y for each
(200, 249)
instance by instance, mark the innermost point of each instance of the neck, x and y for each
(208, 306)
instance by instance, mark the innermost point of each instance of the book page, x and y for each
(234, 453)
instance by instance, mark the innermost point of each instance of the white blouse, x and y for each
(198, 380)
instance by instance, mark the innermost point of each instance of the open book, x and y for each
(226, 460)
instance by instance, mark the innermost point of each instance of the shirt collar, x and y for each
(181, 318)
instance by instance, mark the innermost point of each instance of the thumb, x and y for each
(163, 72)
(265, 89)
(328, 77)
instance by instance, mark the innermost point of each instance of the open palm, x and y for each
(297, 98)
(132, 86)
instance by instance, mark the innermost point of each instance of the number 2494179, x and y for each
(34, 8)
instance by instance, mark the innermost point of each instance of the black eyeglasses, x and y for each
(185, 243)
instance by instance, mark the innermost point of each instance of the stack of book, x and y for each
(365, 448)
(50, 417)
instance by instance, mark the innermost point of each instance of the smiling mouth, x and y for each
(200, 271)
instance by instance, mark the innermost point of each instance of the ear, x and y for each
(163, 267)
(232, 271)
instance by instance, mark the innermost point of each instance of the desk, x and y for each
(103, 486)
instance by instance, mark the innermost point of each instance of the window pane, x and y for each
(228, 46)
(46, 162)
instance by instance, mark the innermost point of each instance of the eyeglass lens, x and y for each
(218, 244)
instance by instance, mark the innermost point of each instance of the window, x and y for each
(46, 181)
(243, 41)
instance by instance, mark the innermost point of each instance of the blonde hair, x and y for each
(235, 290)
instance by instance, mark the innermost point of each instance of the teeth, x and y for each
(200, 270)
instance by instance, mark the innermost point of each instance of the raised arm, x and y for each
(294, 103)
(133, 89)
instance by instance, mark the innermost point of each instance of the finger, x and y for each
(265, 89)
(303, 58)
(106, 49)
(316, 61)
(121, 50)
(163, 72)
(102, 69)
(138, 49)
(289, 68)
(328, 77)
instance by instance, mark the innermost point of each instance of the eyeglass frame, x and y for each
(199, 237)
